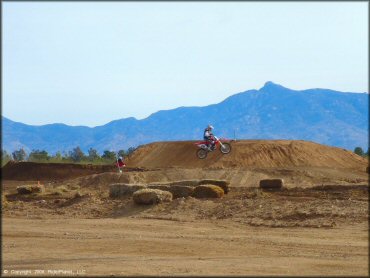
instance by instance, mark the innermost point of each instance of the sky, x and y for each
(88, 63)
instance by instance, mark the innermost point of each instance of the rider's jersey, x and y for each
(120, 163)
(207, 133)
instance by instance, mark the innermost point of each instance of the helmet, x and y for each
(209, 127)
(120, 158)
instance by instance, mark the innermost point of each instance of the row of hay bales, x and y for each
(164, 192)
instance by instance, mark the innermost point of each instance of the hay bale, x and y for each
(208, 191)
(164, 187)
(151, 196)
(221, 183)
(122, 189)
(186, 183)
(176, 190)
(273, 184)
(179, 191)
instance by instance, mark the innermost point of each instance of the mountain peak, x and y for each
(271, 86)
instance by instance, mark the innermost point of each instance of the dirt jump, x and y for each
(247, 153)
(315, 224)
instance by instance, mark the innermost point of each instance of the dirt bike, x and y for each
(203, 150)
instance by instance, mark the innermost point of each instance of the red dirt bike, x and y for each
(203, 150)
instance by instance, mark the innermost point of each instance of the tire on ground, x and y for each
(122, 189)
(151, 196)
(208, 191)
(271, 183)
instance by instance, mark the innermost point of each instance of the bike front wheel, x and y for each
(225, 148)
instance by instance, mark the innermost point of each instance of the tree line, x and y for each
(76, 155)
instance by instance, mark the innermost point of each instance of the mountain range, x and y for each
(273, 112)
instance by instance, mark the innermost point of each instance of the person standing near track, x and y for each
(120, 164)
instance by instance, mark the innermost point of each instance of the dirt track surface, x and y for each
(158, 247)
(312, 231)
(316, 225)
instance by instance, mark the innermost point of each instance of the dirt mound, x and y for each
(246, 153)
(50, 171)
(24, 171)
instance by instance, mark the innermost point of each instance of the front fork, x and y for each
(219, 142)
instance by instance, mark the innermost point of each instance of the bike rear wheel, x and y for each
(225, 148)
(201, 153)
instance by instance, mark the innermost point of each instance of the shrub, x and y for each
(28, 189)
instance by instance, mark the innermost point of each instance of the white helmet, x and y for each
(120, 157)
(210, 127)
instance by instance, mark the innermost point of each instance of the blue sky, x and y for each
(88, 63)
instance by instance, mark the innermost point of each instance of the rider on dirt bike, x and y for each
(212, 143)
(209, 138)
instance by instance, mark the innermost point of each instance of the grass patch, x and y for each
(60, 190)
(75, 187)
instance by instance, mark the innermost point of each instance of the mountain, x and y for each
(272, 112)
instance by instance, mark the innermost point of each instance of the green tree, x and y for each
(108, 155)
(92, 154)
(5, 157)
(359, 151)
(19, 155)
(76, 154)
(58, 156)
(37, 155)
